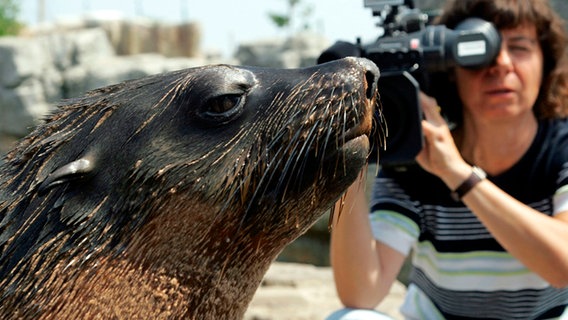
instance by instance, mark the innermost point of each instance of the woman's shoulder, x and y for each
(552, 143)
(555, 131)
(556, 124)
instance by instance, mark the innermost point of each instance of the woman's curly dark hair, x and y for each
(553, 97)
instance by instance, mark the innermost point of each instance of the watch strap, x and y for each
(476, 176)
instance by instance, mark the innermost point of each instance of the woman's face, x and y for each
(508, 88)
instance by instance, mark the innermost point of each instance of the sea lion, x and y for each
(170, 196)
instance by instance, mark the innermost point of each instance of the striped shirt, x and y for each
(459, 271)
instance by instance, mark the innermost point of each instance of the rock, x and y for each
(185, 36)
(299, 50)
(312, 247)
(20, 59)
(101, 72)
(52, 84)
(260, 53)
(30, 73)
(138, 36)
(22, 108)
(88, 45)
(38, 71)
(292, 291)
(69, 48)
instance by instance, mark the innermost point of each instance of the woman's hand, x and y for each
(440, 155)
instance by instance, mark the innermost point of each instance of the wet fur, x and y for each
(169, 196)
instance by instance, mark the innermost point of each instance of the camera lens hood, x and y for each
(476, 43)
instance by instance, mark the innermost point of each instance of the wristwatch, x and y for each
(476, 176)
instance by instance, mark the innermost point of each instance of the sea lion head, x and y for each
(204, 174)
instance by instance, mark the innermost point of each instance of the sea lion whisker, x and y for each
(342, 137)
(224, 152)
(336, 210)
(359, 115)
(290, 150)
(226, 148)
(284, 175)
(329, 133)
(341, 202)
(294, 157)
(303, 156)
(380, 130)
(311, 143)
(267, 175)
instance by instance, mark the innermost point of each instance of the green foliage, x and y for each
(280, 20)
(286, 20)
(9, 24)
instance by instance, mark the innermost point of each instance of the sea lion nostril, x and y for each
(371, 78)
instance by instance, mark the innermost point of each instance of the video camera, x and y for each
(408, 53)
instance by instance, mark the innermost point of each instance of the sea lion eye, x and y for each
(224, 108)
(224, 103)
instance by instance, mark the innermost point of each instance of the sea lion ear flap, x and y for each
(75, 170)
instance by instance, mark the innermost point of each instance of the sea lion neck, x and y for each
(216, 272)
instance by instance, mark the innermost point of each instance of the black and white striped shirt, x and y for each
(459, 270)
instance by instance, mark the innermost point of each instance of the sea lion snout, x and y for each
(371, 72)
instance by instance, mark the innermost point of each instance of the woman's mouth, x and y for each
(500, 92)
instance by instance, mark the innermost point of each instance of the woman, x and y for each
(492, 246)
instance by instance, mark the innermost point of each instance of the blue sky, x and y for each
(224, 23)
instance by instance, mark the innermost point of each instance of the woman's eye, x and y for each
(519, 48)
(521, 45)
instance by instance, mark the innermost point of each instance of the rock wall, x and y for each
(136, 36)
(301, 50)
(36, 72)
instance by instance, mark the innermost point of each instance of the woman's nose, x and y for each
(503, 61)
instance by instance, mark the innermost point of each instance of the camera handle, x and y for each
(404, 133)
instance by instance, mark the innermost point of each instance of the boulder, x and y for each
(22, 108)
(300, 50)
(20, 59)
(102, 72)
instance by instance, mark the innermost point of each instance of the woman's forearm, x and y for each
(361, 280)
(539, 241)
